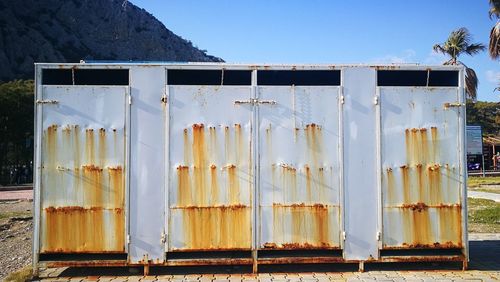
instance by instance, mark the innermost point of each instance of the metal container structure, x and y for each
(141, 164)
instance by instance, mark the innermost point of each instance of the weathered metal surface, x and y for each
(299, 168)
(359, 134)
(147, 162)
(420, 176)
(82, 162)
(210, 168)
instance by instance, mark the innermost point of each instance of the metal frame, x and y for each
(255, 154)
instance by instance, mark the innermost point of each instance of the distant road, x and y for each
(16, 195)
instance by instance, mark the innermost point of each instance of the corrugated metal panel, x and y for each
(210, 168)
(299, 167)
(420, 176)
(83, 164)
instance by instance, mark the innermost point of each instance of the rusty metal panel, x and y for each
(299, 167)
(420, 168)
(210, 187)
(82, 160)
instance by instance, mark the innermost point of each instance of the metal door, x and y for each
(299, 164)
(210, 167)
(420, 158)
(83, 169)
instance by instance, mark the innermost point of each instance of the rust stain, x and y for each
(434, 179)
(200, 164)
(51, 136)
(184, 186)
(217, 227)
(92, 185)
(214, 187)
(289, 182)
(78, 229)
(89, 146)
(76, 140)
(116, 187)
(450, 224)
(309, 228)
(308, 183)
(238, 142)
(406, 183)
(435, 143)
(234, 184)
(391, 189)
(102, 146)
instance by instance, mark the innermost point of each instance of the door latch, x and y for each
(47, 102)
(453, 105)
(255, 101)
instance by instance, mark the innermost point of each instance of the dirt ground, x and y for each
(16, 228)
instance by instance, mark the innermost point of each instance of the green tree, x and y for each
(16, 122)
(486, 114)
(458, 43)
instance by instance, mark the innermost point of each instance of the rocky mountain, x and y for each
(72, 30)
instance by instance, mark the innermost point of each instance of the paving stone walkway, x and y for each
(484, 266)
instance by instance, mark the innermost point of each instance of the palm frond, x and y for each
(438, 49)
(495, 9)
(494, 47)
(471, 83)
(475, 48)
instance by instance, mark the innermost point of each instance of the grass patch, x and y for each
(484, 215)
(22, 275)
(478, 181)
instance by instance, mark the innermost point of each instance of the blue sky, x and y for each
(313, 31)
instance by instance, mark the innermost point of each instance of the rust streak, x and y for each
(184, 186)
(234, 184)
(92, 185)
(391, 188)
(68, 230)
(200, 164)
(435, 144)
(214, 187)
(102, 146)
(406, 183)
(89, 146)
(232, 223)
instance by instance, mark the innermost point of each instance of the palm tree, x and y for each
(495, 31)
(458, 43)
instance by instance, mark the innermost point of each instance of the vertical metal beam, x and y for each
(360, 193)
(378, 167)
(37, 166)
(463, 160)
(256, 173)
(127, 168)
(166, 188)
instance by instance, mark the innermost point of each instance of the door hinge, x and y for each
(343, 235)
(128, 239)
(378, 235)
(453, 105)
(163, 237)
(164, 99)
(47, 102)
(130, 99)
(342, 99)
(375, 100)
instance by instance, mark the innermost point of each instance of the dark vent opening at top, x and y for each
(300, 77)
(85, 77)
(209, 77)
(417, 78)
